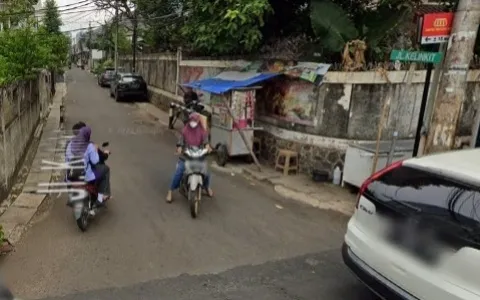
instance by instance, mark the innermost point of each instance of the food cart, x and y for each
(232, 102)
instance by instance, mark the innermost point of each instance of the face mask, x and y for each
(193, 124)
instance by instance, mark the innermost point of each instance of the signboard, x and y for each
(417, 56)
(97, 54)
(436, 28)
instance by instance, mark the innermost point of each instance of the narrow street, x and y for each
(242, 246)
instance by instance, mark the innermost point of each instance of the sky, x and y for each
(75, 18)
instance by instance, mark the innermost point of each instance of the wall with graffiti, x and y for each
(193, 73)
(292, 100)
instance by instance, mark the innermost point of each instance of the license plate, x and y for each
(195, 166)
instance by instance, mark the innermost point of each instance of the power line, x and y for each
(68, 5)
(67, 10)
(76, 18)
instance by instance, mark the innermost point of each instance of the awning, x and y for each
(228, 81)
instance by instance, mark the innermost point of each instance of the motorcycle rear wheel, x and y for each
(194, 198)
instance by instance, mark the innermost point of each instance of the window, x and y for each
(429, 193)
(131, 78)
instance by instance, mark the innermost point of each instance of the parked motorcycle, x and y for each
(195, 106)
(85, 208)
(191, 185)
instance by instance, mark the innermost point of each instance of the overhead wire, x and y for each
(83, 4)
(76, 18)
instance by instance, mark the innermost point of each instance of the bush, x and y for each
(100, 66)
(97, 69)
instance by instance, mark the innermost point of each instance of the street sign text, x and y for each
(417, 56)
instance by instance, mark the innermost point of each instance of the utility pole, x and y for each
(90, 44)
(453, 83)
(134, 40)
(116, 36)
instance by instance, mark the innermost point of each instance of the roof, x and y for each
(460, 164)
(230, 80)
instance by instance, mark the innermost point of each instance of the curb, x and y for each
(19, 214)
(325, 200)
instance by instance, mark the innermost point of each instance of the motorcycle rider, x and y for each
(75, 129)
(193, 135)
(81, 146)
(189, 96)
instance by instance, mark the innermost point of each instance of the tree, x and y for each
(225, 26)
(127, 9)
(335, 23)
(21, 54)
(163, 22)
(25, 50)
(57, 42)
(51, 18)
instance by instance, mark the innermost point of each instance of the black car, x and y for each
(106, 77)
(128, 85)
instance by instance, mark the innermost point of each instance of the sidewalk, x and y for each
(296, 187)
(16, 217)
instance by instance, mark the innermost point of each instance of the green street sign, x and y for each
(417, 56)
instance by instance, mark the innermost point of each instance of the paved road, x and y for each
(247, 243)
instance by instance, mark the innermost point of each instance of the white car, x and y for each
(415, 233)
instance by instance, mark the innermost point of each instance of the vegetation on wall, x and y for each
(324, 29)
(27, 48)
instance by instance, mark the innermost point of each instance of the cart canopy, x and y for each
(231, 80)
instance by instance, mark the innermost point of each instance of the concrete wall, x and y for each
(21, 107)
(318, 122)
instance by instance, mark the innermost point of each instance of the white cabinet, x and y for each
(359, 159)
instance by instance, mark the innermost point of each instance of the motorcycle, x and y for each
(85, 208)
(191, 185)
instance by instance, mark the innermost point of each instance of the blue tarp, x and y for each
(219, 86)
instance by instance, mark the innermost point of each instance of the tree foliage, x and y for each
(230, 27)
(105, 39)
(335, 24)
(225, 26)
(25, 49)
(51, 18)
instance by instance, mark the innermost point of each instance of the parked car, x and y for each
(106, 77)
(415, 233)
(128, 85)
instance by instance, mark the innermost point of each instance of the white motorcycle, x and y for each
(194, 176)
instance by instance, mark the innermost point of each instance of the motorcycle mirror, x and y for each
(105, 144)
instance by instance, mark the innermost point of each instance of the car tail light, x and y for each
(375, 176)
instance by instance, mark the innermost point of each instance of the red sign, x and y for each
(437, 25)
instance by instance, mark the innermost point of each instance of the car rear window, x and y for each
(429, 193)
(131, 78)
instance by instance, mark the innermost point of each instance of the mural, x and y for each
(189, 74)
(289, 100)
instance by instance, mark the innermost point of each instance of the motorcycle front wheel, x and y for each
(82, 222)
(194, 198)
